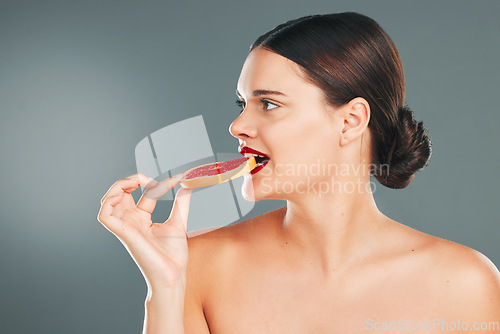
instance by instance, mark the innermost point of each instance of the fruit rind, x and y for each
(205, 181)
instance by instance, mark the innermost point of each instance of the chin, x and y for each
(252, 191)
(247, 190)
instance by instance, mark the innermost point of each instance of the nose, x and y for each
(241, 128)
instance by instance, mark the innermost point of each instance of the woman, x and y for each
(323, 97)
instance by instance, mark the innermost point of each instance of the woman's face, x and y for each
(286, 118)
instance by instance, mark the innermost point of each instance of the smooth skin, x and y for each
(329, 263)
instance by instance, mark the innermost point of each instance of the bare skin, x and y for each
(249, 278)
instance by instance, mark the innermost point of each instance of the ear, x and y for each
(356, 116)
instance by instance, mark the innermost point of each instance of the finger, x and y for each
(180, 209)
(129, 185)
(105, 215)
(120, 187)
(147, 202)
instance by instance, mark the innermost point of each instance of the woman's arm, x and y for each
(159, 250)
(164, 309)
(178, 308)
(194, 315)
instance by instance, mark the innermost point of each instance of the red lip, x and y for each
(245, 149)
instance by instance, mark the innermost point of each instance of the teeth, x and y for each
(254, 155)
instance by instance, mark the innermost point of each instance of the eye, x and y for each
(267, 104)
(241, 105)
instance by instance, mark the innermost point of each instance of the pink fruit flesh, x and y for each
(215, 168)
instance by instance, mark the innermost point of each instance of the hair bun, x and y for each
(409, 151)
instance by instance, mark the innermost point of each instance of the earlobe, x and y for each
(356, 118)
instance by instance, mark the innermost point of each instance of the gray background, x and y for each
(82, 82)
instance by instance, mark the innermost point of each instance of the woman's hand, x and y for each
(160, 250)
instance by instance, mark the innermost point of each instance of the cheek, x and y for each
(314, 139)
(301, 146)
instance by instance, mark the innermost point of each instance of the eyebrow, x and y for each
(260, 92)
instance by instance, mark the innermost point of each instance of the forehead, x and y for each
(267, 70)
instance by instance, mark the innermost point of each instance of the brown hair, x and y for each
(349, 55)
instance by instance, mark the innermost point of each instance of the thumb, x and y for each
(180, 209)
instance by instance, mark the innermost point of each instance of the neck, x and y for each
(329, 232)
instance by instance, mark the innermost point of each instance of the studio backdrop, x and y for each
(83, 84)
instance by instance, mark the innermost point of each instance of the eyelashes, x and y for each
(266, 104)
(240, 105)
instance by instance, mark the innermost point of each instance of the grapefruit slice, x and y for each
(216, 172)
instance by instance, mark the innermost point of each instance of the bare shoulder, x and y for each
(445, 256)
(461, 276)
(474, 281)
(449, 280)
(473, 271)
(212, 254)
(211, 250)
(467, 265)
